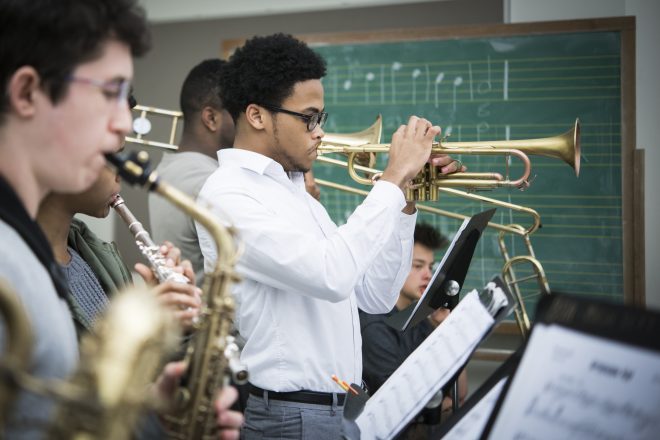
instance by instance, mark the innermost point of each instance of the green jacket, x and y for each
(102, 257)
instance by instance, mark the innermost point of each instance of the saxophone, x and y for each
(109, 391)
(18, 342)
(213, 356)
(146, 245)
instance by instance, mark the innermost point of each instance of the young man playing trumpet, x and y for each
(304, 277)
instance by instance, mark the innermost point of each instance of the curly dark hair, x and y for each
(428, 236)
(55, 36)
(201, 88)
(265, 70)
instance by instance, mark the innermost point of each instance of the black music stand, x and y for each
(448, 278)
(614, 354)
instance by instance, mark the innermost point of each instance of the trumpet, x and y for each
(424, 186)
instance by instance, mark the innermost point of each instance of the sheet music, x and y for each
(570, 385)
(439, 266)
(426, 370)
(472, 424)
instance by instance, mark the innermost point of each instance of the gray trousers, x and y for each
(276, 419)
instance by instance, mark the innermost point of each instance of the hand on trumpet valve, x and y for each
(447, 164)
(410, 150)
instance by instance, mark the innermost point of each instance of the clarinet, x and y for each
(146, 245)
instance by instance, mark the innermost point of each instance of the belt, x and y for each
(299, 396)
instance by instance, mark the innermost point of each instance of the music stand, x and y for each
(588, 370)
(449, 276)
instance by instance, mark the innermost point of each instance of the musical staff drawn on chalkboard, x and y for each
(470, 81)
(396, 66)
(486, 86)
(369, 77)
(531, 90)
(415, 75)
(505, 81)
(457, 83)
(438, 80)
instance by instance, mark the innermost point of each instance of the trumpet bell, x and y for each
(370, 135)
(565, 147)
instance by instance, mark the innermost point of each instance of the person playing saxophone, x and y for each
(63, 106)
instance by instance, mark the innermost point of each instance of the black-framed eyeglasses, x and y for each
(117, 89)
(312, 120)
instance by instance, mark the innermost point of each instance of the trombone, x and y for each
(424, 186)
(142, 126)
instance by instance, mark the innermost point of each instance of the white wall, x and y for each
(161, 11)
(647, 13)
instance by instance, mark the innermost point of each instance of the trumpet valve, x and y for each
(422, 187)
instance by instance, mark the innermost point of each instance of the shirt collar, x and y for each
(256, 162)
(13, 212)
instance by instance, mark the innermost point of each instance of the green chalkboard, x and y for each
(497, 88)
(507, 82)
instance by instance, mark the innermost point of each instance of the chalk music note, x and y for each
(367, 79)
(348, 84)
(396, 66)
(428, 83)
(415, 75)
(505, 81)
(438, 80)
(485, 86)
(457, 82)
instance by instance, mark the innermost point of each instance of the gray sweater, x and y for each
(55, 349)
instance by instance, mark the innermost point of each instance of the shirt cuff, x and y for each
(407, 221)
(388, 193)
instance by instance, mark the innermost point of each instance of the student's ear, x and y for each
(256, 116)
(211, 118)
(22, 90)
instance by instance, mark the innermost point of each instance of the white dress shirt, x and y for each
(303, 278)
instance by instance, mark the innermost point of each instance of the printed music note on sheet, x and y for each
(574, 385)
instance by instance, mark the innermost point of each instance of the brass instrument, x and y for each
(362, 146)
(142, 126)
(212, 354)
(508, 273)
(107, 394)
(146, 245)
(425, 185)
(510, 278)
(17, 347)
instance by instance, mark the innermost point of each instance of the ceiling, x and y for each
(159, 11)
